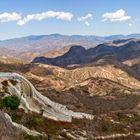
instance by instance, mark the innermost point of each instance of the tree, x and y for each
(11, 102)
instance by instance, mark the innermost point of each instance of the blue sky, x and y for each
(91, 17)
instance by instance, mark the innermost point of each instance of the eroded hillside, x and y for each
(69, 103)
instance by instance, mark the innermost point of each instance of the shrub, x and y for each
(15, 116)
(121, 116)
(105, 126)
(30, 137)
(34, 121)
(11, 102)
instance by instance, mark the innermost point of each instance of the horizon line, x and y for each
(69, 35)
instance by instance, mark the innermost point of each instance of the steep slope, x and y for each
(12, 133)
(88, 89)
(82, 73)
(78, 55)
(101, 86)
(56, 52)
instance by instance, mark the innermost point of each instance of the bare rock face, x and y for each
(7, 130)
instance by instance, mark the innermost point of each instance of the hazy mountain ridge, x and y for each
(79, 55)
(33, 46)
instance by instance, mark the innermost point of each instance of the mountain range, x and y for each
(118, 50)
(26, 48)
(66, 85)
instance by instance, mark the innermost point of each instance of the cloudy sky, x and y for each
(86, 17)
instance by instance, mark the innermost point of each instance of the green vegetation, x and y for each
(105, 126)
(121, 116)
(11, 102)
(16, 115)
(30, 137)
(34, 121)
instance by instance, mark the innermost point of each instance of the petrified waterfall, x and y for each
(32, 100)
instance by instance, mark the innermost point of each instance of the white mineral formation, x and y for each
(32, 100)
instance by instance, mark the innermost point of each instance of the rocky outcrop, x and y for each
(20, 128)
(12, 131)
(7, 130)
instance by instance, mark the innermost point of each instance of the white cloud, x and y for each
(85, 18)
(130, 24)
(87, 23)
(119, 15)
(6, 17)
(44, 15)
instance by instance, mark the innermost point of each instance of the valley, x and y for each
(74, 93)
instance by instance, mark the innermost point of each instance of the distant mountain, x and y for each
(119, 50)
(26, 48)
